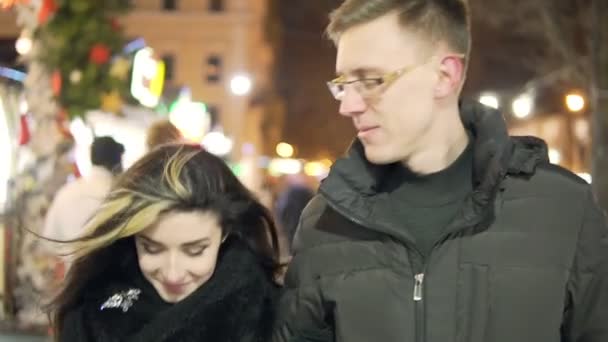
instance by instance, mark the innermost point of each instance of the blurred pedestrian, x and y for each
(162, 132)
(290, 204)
(76, 201)
(179, 251)
(437, 226)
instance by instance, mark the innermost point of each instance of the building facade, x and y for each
(205, 44)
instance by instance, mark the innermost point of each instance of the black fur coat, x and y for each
(236, 304)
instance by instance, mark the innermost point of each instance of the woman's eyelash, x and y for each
(150, 249)
(195, 251)
(191, 251)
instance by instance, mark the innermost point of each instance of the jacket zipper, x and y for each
(419, 316)
(417, 262)
(418, 280)
(419, 268)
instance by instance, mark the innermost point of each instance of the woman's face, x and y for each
(179, 253)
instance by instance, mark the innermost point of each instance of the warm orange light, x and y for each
(575, 102)
(6, 4)
(284, 150)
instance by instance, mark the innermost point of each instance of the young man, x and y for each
(437, 226)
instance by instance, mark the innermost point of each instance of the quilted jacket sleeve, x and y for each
(302, 313)
(586, 317)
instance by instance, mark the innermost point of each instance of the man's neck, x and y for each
(441, 146)
(99, 171)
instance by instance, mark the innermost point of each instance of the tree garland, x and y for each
(75, 64)
(81, 44)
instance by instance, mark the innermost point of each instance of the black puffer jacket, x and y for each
(526, 259)
(236, 305)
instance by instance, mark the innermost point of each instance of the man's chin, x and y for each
(376, 155)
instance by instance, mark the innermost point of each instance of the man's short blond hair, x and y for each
(436, 20)
(162, 132)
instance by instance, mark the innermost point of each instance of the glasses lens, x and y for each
(336, 89)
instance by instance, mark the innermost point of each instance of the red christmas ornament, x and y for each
(48, 8)
(62, 124)
(99, 54)
(116, 26)
(76, 170)
(24, 130)
(56, 82)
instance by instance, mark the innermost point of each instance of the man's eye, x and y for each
(371, 83)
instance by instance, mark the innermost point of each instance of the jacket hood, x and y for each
(353, 182)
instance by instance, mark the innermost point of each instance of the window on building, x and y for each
(214, 69)
(216, 5)
(169, 61)
(8, 52)
(169, 5)
(213, 114)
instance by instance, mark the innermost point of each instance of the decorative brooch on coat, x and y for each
(122, 300)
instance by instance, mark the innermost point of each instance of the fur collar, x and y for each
(237, 304)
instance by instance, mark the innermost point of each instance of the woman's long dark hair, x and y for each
(169, 178)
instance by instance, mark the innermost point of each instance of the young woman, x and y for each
(179, 251)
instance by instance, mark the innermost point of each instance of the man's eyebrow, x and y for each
(360, 71)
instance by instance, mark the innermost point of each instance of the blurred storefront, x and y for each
(221, 52)
(568, 137)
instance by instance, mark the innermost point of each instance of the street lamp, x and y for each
(575, 102)
(522, 106)
(489, 100)
(191, 118)
(23, 45)
(217, 143)
(284, 150)
(240, 84)
(555, 156)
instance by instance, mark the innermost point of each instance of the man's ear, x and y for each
(451, 76)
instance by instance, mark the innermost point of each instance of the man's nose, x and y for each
(352, 103)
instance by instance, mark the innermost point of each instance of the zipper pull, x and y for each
(418, 280)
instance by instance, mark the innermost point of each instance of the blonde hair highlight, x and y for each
(127, 212)
(172, 177)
